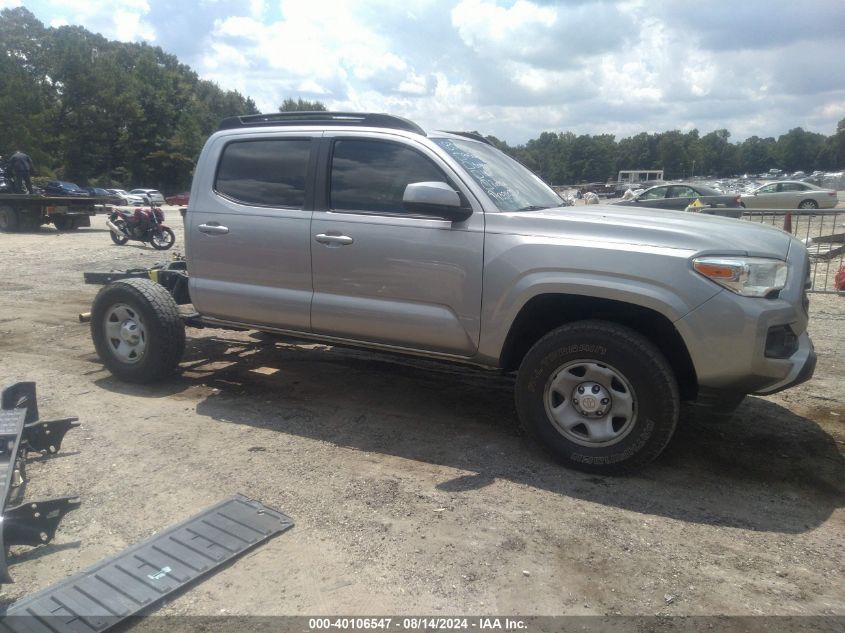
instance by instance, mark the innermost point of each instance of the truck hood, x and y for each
(697, 232)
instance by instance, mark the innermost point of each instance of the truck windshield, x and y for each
(510, 186)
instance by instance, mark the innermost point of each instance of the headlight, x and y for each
(747, 276)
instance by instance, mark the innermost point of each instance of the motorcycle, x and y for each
(143, 224)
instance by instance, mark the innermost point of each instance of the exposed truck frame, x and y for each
(29, 211)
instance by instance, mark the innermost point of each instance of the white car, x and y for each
(789, 194)
(154, 194)
(126, 198)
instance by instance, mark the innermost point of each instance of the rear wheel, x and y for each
(118, 238)
(9, 219)
(137, 330)
(808, 204)
(598, 396)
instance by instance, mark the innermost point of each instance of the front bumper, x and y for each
(803, 365)
(748, 345)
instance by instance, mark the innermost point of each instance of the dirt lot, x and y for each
(410, 488)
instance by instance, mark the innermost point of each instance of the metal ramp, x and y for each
(21, 433)
(139, 577)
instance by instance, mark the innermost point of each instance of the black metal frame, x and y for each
(328, 119)
(21, 432)
(172, 275)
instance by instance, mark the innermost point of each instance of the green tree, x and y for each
(301, 105)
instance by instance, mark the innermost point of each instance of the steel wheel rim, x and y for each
(590, 403)
(126, 334)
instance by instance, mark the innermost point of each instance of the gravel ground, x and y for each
(411, 490)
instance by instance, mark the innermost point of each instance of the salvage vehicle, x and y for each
(679, 196)
(178, 199)
(364, 230)
(153, 194)
(790, 194)
(125, 198)
(63, 188)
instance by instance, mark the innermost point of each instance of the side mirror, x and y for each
(435, 198)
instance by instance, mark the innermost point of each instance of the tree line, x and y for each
(105, 113)
(566, 158)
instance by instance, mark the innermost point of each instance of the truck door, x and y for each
(247, 227)
(384, 275)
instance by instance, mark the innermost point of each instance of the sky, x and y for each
(510, 68)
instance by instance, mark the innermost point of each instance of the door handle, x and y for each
(213, 229)
(339, 240)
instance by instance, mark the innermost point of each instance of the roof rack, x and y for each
(473, 135)
(363, 119)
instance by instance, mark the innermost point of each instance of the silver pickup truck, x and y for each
(364, 230)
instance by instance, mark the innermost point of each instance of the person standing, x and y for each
(21, 166)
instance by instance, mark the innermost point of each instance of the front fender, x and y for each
(658, 279)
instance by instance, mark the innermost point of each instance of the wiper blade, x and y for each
(532, 207)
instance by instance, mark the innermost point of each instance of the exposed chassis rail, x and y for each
(172, 275)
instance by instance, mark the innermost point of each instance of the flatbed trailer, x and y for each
(29, 211)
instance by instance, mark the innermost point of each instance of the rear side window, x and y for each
(792, 186)
(264, 173)
(372, 175)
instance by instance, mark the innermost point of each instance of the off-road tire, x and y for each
(165, 330)
(9, 219)
(636, 359)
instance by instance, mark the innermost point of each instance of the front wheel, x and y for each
(808, 204)
(598, 396)
(162, 239)
(137, 330)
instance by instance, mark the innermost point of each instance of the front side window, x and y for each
(264, 173)
(683, 192)
(372, 175)
(768, 189)
(654, 194)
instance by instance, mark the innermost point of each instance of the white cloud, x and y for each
(513, 68)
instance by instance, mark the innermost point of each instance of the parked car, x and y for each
(179, 199)
(126, 198)
(62, 188)
(366, 231)
(678, 196)
(98, 192)
(154, 195)
(789, 194)
(621, 187)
